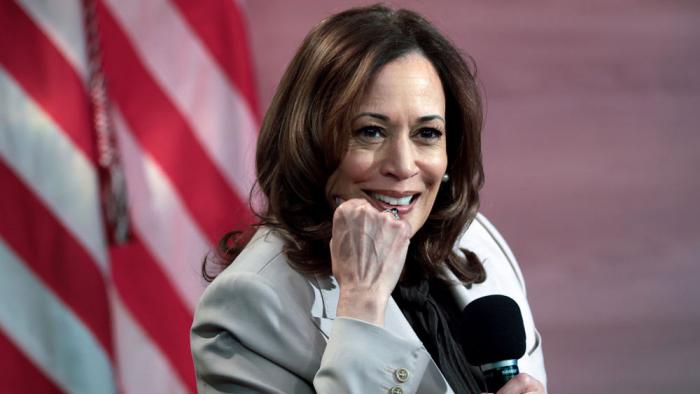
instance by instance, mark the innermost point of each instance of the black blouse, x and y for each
(432, 313)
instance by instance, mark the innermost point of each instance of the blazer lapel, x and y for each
(326, 300)
(457, 289)
(461, 295)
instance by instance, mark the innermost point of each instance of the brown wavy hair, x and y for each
(306, 130)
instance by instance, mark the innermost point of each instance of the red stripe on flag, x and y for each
(45, 74)
(221, 26)
(18, 374)
(161, 129)
(54, 255)
(155, 304)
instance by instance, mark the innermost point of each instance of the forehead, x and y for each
(409, 83)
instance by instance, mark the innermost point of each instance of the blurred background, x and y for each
(591, 150)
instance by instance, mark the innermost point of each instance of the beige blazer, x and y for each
(262, 327)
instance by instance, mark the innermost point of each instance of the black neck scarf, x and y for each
(432, 313)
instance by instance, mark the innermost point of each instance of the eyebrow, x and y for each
(428, 118)
(422, 119)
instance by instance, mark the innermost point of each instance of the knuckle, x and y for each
(340, 216)
(337, 214)
(406, 229)
(363, 209)
(360, 203)
(525, 379)
(392, 223)
(389, 221)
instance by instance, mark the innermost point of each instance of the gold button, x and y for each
(396, 390)
(401, 374)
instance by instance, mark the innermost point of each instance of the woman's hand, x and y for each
(522, 384)
(368, 252)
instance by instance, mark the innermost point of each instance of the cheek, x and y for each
(435, 166)
(355, 167)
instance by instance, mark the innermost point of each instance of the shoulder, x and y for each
(502, 268)
(260, 274)
(262, 261)
(260, 303)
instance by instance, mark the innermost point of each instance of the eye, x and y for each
(429, 134)
(369, 133)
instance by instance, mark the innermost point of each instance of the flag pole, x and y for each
(112, 182)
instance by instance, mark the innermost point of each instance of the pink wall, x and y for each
(592, 154)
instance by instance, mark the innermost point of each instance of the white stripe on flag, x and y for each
(62, 21)
(142, 367)
(48, 332)
(160, 218)
(220, 117)
(56, 170)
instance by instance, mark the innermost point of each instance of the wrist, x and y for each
(362, 304)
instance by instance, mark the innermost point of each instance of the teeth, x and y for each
(392, 200)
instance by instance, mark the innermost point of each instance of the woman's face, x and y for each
(397, 153)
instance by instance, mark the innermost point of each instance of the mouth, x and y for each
(383, 200)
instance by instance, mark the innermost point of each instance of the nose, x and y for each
(399, 158)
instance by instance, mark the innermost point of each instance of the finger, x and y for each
(392, 212)
(344, 205)
(355, 202)
(522, 384)
(345, 211)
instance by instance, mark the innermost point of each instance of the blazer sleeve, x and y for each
(237, 339)
(247, 337)
(364, 358)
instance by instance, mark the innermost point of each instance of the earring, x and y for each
(445, 178)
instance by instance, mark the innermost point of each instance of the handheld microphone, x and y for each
(493, 338)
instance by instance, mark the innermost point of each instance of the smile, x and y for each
(403, 202)
(398, 201)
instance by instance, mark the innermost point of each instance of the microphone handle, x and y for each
(499, 373)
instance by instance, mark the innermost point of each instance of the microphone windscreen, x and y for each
(492, 330)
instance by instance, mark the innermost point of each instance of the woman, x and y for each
(369, 159)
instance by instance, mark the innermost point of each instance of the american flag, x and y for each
(79, 313)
